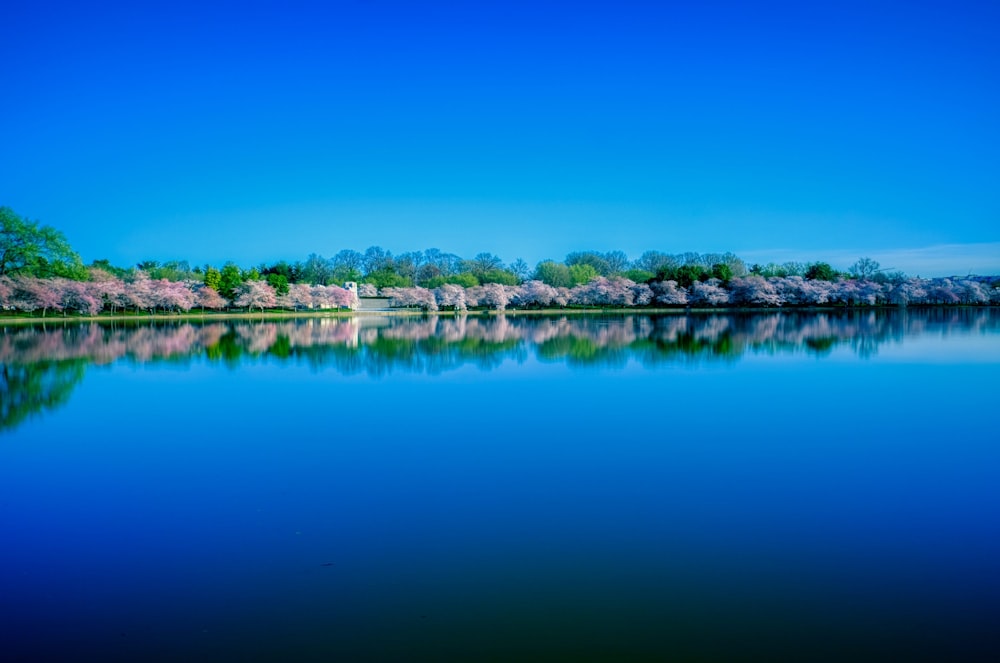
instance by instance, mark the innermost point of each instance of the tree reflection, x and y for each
(42, 364)
(29, 389)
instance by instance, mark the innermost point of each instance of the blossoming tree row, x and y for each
(111, 294)
(750, 291)
(107, 293)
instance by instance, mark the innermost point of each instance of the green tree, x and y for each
(722, 271)
(33, 250)
(483, 264)
(684, 275)
(230, 279)
(821, 271)
(501, 276)
(465, 279)
(639, 275)
(213, 278)
(105, 266)
(387, 278)
(289, 271)
(582, 273)
(279, 282)
(554, 274)
(592, 258)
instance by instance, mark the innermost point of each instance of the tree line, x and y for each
(40, 272)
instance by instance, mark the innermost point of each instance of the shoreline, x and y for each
(402, 312)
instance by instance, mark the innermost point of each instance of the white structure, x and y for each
(352, 287)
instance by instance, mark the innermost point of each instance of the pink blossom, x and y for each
(754, 291)
(668, 292)
(256, 294)
(451, 295)
(709, 293)
(206, 297)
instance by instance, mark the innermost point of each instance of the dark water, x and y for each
(718, 488)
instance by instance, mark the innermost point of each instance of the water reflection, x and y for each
(42, 363)
(37, 387)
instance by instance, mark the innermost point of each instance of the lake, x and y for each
(776, 486)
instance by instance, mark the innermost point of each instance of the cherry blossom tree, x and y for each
(206, 297)
(450, 295)
(173, 295)
(255, 294)
(870, 293)
(668, 292)
(411, 297)
(708, 293)
(139, 293)
(642, 294)
(341, 297)
(109, 289)
(602, 291)
(910, 291)
(76, 296)
(6, 290)
(972, 292)
(31, 294)
(491, 295)
(754, 290)
(319, 297)
(941, 291)
(367, 290)
(536, 293)
(300, 296)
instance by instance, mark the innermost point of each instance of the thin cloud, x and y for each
(936, 260)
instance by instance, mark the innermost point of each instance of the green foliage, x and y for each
(291, 272)
(482, 264)
(174, 270)
(32, 250)
(317, 270)
(501, 276)
(591, 258)
(465, 279)
(105, 266)
(251, 275)
(771, 269)
(387, 278)
(722, 271)
(639, 275)
(342, 276)
(213, 278)
(279, 282)
(821, 271)
(554, 274)
(230, 280)
(582, 273)
(685, 275)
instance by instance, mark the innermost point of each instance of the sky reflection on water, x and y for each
(43, 363)
(728, 488)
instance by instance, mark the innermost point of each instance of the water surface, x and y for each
(760, 487)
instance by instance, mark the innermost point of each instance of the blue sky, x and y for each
(259, 131)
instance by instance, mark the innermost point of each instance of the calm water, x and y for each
(718, 488)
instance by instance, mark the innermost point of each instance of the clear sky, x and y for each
(260, 131)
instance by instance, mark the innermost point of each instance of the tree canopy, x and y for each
(32, 250)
